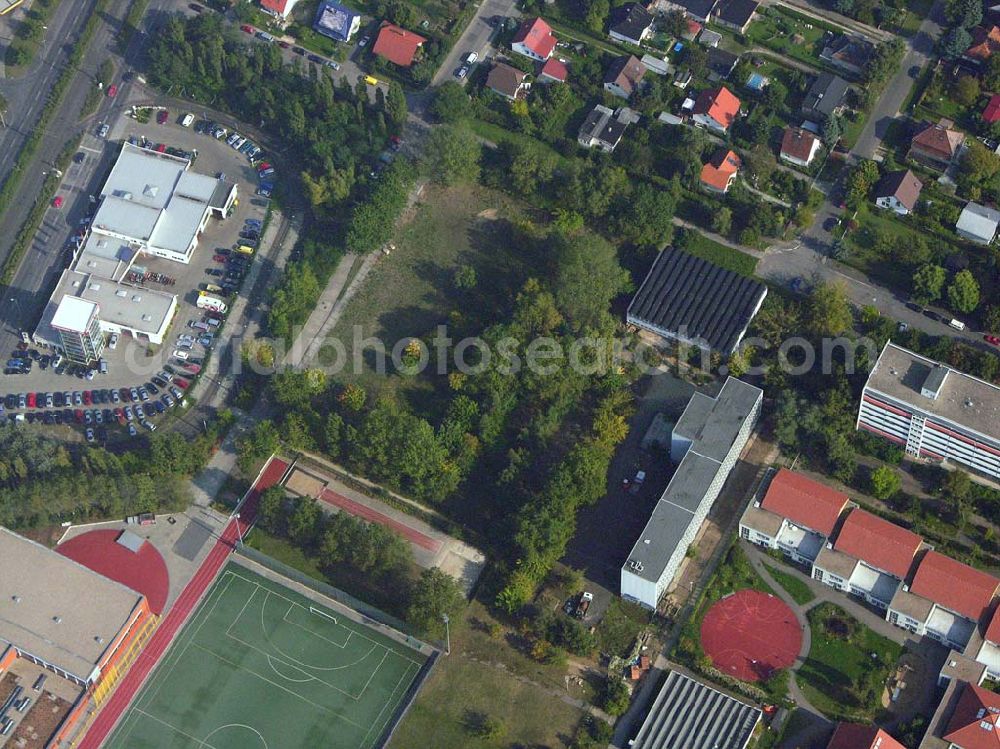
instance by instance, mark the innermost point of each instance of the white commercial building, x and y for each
(933, 411)
(707, 441)
(151, 204)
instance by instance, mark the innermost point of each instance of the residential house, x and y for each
(709, 39)
(624, 76)
(691, 29)
(869, 559)
(849, 53)
(278, 8)
(694, 302)
(336, 21)
(988, 653)
(700, 10)
(975, 721)
(507, 81)
(798, 146)
(720, 63)
(984, 43)
(553, 71)
(856, 736)
(736, 14)
(936, 145)
(977, 223)
(991, 113)
(631, 23)
(657, 65)
(604, 128)
(898, 191)
(396, 44)
(535, 40)
(719, 173)
(825, 97)
(797, 515)
(716, 109)
(945, 600)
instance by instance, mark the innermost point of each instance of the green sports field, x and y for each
(261, 666)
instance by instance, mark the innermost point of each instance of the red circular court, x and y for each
(144, 571)
(751, 634)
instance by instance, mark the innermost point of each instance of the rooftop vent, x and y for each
(122, 293)
(934, 382)
(16, 599)
(136, 298)
(99, 639)
(147, 318)
(57, 619)
(95, 287)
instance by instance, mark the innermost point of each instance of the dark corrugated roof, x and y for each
(710, 302)
(688, 714)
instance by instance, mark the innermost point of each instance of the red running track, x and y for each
(751, 634)
(374, 516)
(133, 680)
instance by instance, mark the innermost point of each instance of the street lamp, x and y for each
(239, 532)
(447, 634)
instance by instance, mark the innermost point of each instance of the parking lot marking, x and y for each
(88, 148)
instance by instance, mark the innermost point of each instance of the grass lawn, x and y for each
(792, 583)
(698, 244)
(864, 258)
(411, 292)
(847, 666)
(620, 626)
(486, 676)
(775, 29)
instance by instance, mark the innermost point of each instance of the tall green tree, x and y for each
(452, 154)
(587, 277)
(435, 596)
(828, 310)
(928, 283)
(963, 292)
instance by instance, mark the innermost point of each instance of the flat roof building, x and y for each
(689, 714)
(933, 411)
(707, 441)
(61, 615)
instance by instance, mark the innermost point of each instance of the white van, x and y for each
(187, 120)
(957, 324)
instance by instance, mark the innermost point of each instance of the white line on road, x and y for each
(88, 148)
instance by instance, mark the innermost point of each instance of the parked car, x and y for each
(992, 340)
(182, 355)
(161, 116)
(246, 29)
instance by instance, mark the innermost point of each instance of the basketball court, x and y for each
(750, 635)
(260, 666)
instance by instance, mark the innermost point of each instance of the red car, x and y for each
(263, 166)
(57, 203)
(162, 115)
(161, 148)
(78, 415)
(31, 400)
(113, 90)
(992, 339)
(181, 383)
(86, 397)
(284, 45)
(219, 258)
(246, 29)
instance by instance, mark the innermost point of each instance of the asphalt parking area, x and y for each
(133, 363)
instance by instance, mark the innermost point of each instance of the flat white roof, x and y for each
(956, 628)
(144, 177)
(57, 609)
(806, 543)
(73, 314)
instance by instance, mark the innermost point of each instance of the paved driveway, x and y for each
(475, 38)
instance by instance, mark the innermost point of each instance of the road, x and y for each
(475, 38)
(920, 50)
(43, 261)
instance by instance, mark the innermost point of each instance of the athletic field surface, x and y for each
(260, 666)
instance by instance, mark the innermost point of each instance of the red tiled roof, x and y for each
(797, 143)
(805, 502)
(720, 169)
(554, 69)
(719, 104)
(277, 6)
(396, 44)
(878, 542)
(973, 725)
(938, 141)
(992, 112)
(956, 586)
(993, 630)
(984, 43)
(537, 36)
(902, 185)
(854, 736)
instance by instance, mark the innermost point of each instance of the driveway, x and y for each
(920, 50)
(475, 38)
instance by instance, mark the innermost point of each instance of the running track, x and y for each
(374, 516)
(133, 680)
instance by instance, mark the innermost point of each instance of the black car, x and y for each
(159, 381)
(915, 307)
(57, 416)
(49, 418)
(315, 58)
(213, 271)
(934, 315)
(298, 50)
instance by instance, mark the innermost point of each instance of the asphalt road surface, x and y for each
(475, 38)
(920, 50)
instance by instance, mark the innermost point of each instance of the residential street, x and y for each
(920, 50)
(475, 37)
